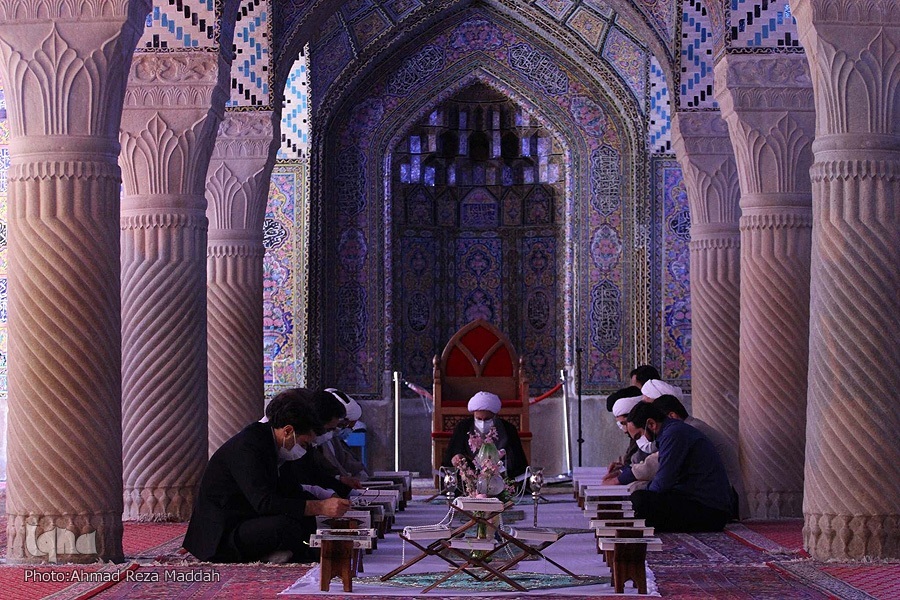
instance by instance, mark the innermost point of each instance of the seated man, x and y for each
(246, 509)
(317, 474)
(633, 454)
(335, 448)
(690, 491)
(484, 407)
(654, 388)
(642, 374)
(674, 409)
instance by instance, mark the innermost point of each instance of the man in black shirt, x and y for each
(246, 510)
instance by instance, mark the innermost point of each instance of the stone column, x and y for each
(172, 110)
(852, 472)
(64, 73)
(702, 146)
(768, 104)
(237, 188)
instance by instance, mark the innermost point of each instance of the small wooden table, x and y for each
(339, 547)
(627, 559)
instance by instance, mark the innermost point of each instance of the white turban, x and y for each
(623, 406)
(354, 410)
(485, 401)
(654, 388)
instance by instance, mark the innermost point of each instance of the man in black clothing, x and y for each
(484, 407)
(690, 491)
(246, 510)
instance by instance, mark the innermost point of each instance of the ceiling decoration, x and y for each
(347, 41)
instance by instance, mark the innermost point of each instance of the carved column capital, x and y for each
(704, 150)
(67, 58)
(237, 182)
(852, 48)
(767, 101)
(173, 105)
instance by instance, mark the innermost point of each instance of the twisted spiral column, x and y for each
(64, 74)
(715, 306)
(172, 109)
(767, 101)
(704, 150)
(163, 372)
(237, 188)
(852, 473)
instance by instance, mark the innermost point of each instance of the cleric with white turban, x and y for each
(485, 401)
(485, 407)
(654, 388)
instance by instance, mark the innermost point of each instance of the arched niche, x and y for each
(353, 197)
(477, 189)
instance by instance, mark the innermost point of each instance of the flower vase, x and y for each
(488, 453)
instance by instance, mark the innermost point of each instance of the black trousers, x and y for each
(671, 511)
(256, 538)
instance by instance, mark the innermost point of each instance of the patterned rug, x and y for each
(530, 581)
(704, 549)
(735, 582)
(152, 540)
(846, 581)
(786, 533)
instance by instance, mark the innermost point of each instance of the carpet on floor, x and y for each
(861, 581)
(31, 583)
(148, 540)
(576, 551)
(734, 582)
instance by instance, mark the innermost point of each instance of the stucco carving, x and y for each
(856, 74)
(704, 151)
(773, 154)
(64, 81)
(852, 50)
(173, 107)
(237, 190)
(63, 59)
(163, 371)
(33, 10)
(847, 11)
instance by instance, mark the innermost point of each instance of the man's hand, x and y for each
(352, 482)
(611, 479)
(330, 507)
(614, 467)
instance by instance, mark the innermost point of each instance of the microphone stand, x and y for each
(580, 440)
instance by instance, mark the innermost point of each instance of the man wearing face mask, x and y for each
(248, 509)
(690, 491)
(314, 470)
(637, 452)
(484, 407)
(335, 449)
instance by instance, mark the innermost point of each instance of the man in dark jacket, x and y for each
(484, 407)
(245, 510)
(690, 491)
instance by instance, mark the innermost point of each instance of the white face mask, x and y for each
(646, 446)
(621, 426)
(321, 439)
(344, 433)
(482, 426)
(297, 451)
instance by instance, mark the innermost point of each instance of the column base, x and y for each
(775, 505)
(846, 537)
(159, 504)
(48, 539)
